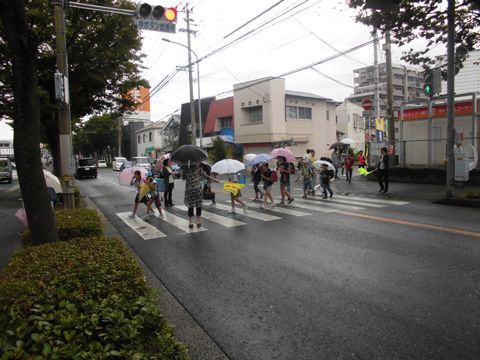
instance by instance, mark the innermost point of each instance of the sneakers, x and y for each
(270, 206)
(304, 196)
(131, 216)
(232, 211)
(281, 203)
(245, 208)
(290, 200)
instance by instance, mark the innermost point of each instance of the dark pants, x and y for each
(325, 188)
(257, 189)
(383, 179)
(167, 195)
(349, 174)
(190, 211)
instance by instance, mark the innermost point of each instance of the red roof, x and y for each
(218, 109)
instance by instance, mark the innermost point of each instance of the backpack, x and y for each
(274, 177)
(242, 179)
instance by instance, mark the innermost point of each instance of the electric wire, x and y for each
(331, 78)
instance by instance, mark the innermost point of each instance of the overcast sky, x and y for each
(300, 39)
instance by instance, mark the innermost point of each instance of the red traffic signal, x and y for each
(159, 13)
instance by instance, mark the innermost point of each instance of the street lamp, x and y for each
(192, 111)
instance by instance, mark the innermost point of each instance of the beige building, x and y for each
(149, 139)
(351, 124)
(265, 113)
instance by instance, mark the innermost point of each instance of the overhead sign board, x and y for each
(155, 25)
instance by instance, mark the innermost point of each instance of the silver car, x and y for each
(6, 170)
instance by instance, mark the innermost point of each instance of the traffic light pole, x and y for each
(391, 115)
(450, 97)
(64, 123)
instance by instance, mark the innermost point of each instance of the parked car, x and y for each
(117, 163)
(141, 161)
(126, 164)
(6, 170)
(101, 164)
(86, 168)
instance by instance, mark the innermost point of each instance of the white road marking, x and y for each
(262, 216)
(327, 203)
(221, 220)
(334, 200)
(141, 227)
(284, 210)
(379, 201)
(303, 205)
(178, 222)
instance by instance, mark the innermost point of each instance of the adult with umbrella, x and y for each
(189, 156)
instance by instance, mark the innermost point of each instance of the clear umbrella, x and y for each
(227, 166)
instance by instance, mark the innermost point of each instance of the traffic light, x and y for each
(433, 81)
(146, 11)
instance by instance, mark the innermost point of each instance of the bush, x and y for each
(73, 224)
(76, 196)
(81, 299)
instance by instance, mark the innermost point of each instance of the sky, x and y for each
(304, 35)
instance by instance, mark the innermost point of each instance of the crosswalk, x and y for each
(175, 220)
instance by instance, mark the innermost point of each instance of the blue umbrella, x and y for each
(260, 158)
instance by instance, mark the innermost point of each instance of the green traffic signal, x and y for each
(428, 89)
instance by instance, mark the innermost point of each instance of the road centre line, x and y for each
(413, 224)
(221, 220)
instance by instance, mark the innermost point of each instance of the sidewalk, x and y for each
(10, 237)
(398, 191)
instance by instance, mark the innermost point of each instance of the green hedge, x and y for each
(73, 224)
(82, 299)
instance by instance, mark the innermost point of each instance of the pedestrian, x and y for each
(349, 166)
(307, 155)
(306, 172)
(362, 162)
(136, 182)
(382, 170)
(311, 160)
(334, 158)
(257, 177)
(193, 200)
(325, 178)
(235, 197)
(267, 186)
(168, 178)
(284, 170)
(153, 196)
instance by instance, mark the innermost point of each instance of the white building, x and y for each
(351, 124)
(468, 78)
(149, 138)
(265, 113)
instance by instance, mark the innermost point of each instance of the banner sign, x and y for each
(461, 108)
(233, 188)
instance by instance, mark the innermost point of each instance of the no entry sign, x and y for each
(367, 104)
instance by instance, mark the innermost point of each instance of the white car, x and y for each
(117, 163)
(101, 164)
(141, 161)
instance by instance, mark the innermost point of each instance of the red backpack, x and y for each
(274, 177)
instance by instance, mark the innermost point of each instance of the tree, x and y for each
(426, 19)
(219, 150)
(104, 63)
(96, 134)
(21, 44)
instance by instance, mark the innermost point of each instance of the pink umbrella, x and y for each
(22, 216)
(125, 177)
(286, 153)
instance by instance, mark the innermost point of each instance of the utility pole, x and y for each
(190, 80)
(450, 97)
(390, 113)
(119, 136)
(64, 122)
(376, 79)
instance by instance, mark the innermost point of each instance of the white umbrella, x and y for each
(227, 166)
(318, 164)
(52, 181)
(347, 141)
(249, 157)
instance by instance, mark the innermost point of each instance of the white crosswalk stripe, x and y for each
(141, 227)
(178, 222)
(378, 201)
(282, 210)
(327, 204)
(335, 200)
(305, 205)
(221, 220)
(262, 216)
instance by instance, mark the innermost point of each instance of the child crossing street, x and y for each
(325, 177)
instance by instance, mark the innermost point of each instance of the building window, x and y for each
(256, 114)
(328, 115)
(139, 139)
(225, 122)
(144, 138)
(298, 112)
(150, 136)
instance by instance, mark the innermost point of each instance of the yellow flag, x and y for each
(233, 188)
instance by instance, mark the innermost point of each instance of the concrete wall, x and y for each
(346, 113)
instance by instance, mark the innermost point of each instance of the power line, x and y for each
(331, 78)
(254, 18)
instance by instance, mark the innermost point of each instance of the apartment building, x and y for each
(149, 139)
(266, 113)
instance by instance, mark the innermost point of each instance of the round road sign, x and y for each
(367, 104)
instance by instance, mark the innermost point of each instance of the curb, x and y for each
(186, 329)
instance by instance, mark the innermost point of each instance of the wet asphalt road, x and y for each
(324, 286)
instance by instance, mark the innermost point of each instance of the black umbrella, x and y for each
(206, 167)
(323, 158)
(188, 154)
(336, 145)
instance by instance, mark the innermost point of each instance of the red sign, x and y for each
(461, 108)
(367, 104)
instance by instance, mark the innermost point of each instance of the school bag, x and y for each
(241, 179)
(274, 176)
